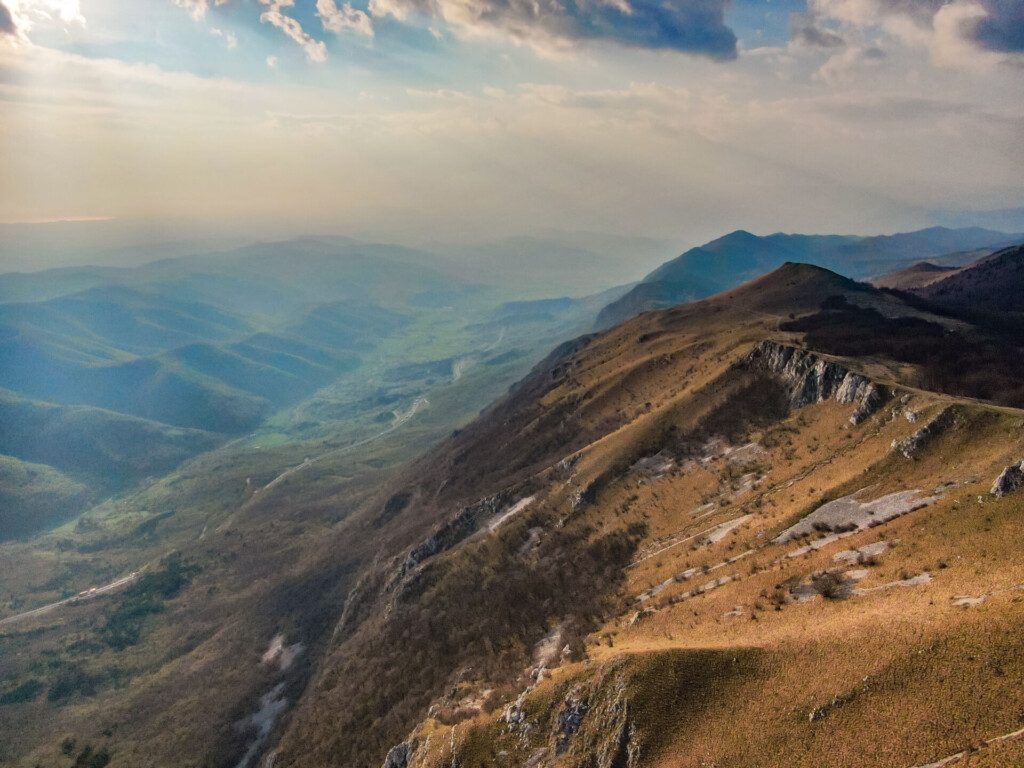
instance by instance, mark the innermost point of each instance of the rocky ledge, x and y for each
(810, 379)
(913, 445)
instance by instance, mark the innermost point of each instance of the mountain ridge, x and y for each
(741, 255)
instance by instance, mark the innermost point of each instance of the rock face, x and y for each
(460, 527)
(1009, 481)
(569, 721)
(399, 756)
(811, 379)
(911, 446)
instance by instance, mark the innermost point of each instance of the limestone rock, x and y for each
(399, 756)
(811, 379)
(1009, 481)
(913, 445)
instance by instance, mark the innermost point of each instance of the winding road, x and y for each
(81, 597)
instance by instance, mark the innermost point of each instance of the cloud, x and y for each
(806, 32)
(969, 34)
(7, 26)
(1001, 29)
(17, 17)
(197, 8)
(337, 19)
(842, 67)
(692, 26)
(230, 38)
(315, 50)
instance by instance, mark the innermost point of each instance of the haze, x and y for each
(217, 122)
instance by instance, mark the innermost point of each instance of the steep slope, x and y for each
(994, 283)
(685, 542)
(741, 256)
(695, 539)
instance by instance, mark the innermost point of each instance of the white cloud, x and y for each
(950, 47)
(690, 26)
(20, 16)
(230, 38)
(956, 33)
(346, 17)
(843, 67)
(315, 50)
(198, 8)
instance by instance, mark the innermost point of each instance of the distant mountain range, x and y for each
(109, 375)
(741, 256)
(212, 343)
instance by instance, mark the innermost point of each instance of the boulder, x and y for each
(1009, 481)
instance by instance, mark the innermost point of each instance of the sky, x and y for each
(458, 120)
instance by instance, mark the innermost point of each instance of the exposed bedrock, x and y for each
(399, 756)
(913, 445)
(809, 378)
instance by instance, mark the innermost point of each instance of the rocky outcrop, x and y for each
(460, 527)
(570, 718)
(399, 756)
(622, 750)
(1009, 481)
(913, 445)
(809, 378)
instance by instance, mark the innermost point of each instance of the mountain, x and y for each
(102, 447)
(618, 563)
(741, 256)
(994, 283)
(762, 529)
(34, 497)
(214, 342)
(115, 375)
(914, 277)
(57, 458)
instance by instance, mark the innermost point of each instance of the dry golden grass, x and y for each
(899, 675)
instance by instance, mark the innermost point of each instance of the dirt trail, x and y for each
(714, 528)
(955, 758)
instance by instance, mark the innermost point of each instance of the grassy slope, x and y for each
(109, 450)
(35, 496)
(905, 666)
